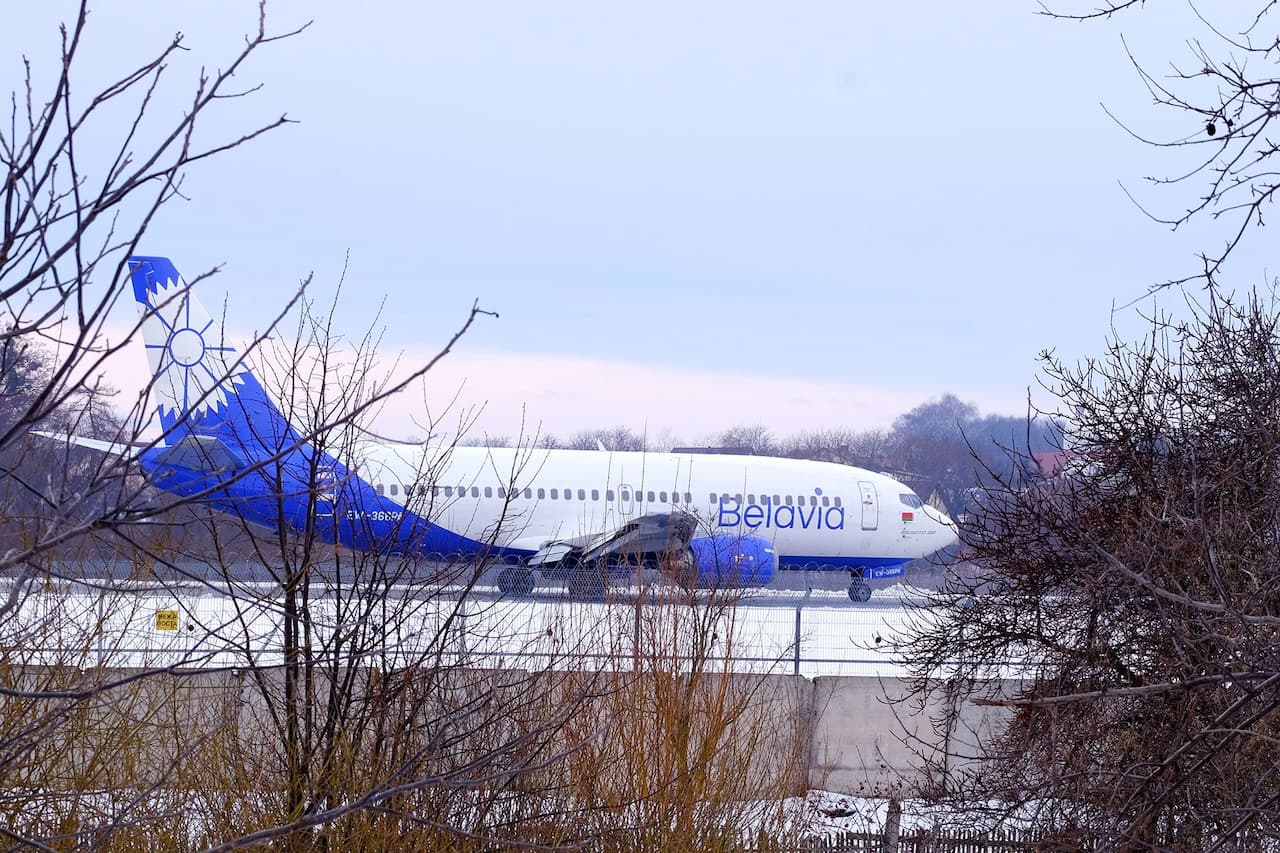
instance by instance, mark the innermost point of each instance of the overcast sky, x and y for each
(688, 215)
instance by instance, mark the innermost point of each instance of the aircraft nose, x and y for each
(947, 528)
(951, 532)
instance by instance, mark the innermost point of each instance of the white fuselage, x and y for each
(813, 513)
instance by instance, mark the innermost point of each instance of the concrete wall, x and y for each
(861, 735)
(873, 737)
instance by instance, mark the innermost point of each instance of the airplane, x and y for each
(559, 514)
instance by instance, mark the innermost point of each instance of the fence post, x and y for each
(101, 629)
(892, 827)
(462, 632)
(808, 590)
(796, 645)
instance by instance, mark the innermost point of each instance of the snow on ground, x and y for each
(121, 624)
(826, 814)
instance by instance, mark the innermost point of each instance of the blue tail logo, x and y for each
(192, 368)
(200, 385)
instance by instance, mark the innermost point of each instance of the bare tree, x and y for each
(1223, 94)
(68, 226)
(753, 438)
(1125, 612)
(376, 718)
(617, 438)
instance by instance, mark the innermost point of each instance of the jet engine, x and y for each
(728, 561)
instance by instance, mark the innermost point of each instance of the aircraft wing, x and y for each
(110, 447)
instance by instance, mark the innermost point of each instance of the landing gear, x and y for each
(682, 567)
(515, 580)
(859, 590)
(586, 582)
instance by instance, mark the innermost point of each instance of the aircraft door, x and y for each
(326, 486)
(870, 506)
(626, 501)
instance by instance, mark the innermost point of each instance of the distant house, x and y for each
(1048, 463)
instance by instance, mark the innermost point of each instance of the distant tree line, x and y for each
(944, 445)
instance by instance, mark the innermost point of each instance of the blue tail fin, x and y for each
(201, 386)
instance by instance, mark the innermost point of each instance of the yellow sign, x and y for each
(166, 620)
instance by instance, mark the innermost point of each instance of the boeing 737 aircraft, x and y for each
(742, 517)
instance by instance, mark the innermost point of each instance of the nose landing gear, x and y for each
(859, 589)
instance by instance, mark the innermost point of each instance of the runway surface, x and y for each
(235, 618)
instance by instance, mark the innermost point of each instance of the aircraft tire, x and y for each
(684, 569)
(586, 583)
(859, 591)
(515, 580)
(524, 581)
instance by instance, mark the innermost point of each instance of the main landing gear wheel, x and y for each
(515, 580)
(859, 590)
(683, 569)
(586, 583)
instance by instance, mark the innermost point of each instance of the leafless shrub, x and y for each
(1126, 610)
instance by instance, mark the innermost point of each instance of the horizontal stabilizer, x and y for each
(112, 447)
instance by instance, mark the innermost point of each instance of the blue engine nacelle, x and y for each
(728, 561)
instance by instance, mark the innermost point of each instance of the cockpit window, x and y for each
(911, 500)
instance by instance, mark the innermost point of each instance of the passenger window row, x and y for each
(654, 497)
(395, 489)
(778, 500)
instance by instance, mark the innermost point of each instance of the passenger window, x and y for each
(662, 496)
(394, 492)
(688, 498)
(788, 500)
(528, 493)
(650, 498)
(448, 491)
(626, 495)
(609, 495)
(751, 499)
(713, 498)
(378, 488)
(826, 501)
(568, 494)
(488, 491)
(542, 493)
(475, 491)
(502, 493)
(582, 495)
(595, 494)
(737, 498)
(555, 494)
(837, 499)
(777, 499)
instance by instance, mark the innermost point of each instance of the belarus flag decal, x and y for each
(908, 516)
